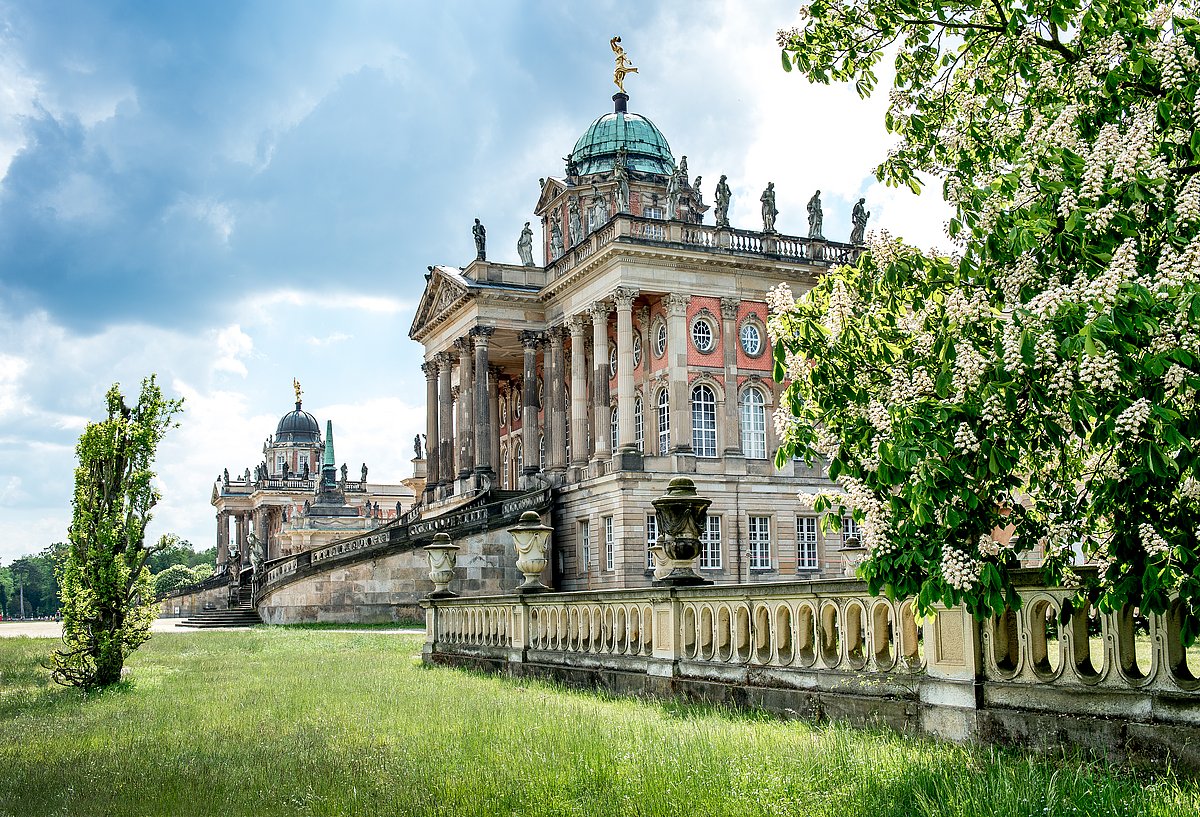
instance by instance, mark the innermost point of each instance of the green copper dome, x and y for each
(647, 147)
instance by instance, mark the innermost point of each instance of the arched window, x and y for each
(754, 424)
(504, 483)
(612, 360)
(637, 350)
(704, 421)
(613, 428)
(542, 451)
(638, 429)
(520, 462)
(660, 339)
(664, 422)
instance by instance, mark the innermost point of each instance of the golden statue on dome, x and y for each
(623, 66)
(296, 386)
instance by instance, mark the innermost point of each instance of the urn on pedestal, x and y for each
(682, 514)
(532, 540)
(443, 559)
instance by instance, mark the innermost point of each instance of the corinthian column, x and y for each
(445, 420)
(626, 434)
(556, 454)
(601, 414)
(432, 438)
(222, 537)
(483, 415)
(579, 435)
(530, 342)
(466, 402)
(729, 346)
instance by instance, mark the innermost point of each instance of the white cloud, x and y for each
(12, 401)
(232, 345)
(331, 338)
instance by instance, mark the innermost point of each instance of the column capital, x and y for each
(482, 334)
(442, 359)
(556, 335)
(530, 339)
(464, 345)
(624, 297)
(495, 371)
(676, 304)
(600, 311)
(575, 325)
(430, 367)
(729, 308)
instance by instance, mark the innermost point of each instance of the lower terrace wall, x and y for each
(1114, 683)
(191, 602)
(389, 586)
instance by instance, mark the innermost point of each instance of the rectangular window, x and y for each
(585, 544)
(710, 545)
(651, 539)
(850, 531)
(760, 542)
(280, 464)
(652, 212)
(609, 544)
(806, 543)
(303, 460)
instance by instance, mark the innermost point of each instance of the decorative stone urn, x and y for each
(854, 554)
(532, 540)
(443, 559)
(681, 516)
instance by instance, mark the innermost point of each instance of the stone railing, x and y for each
(1115, 682)
(625, 227)
(213, 581)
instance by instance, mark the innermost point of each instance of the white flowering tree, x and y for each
(1044, 378)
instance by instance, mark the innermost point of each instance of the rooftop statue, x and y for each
(816, 217)
(599, 208)
(364, 472)
(296, 386)
(480, 241)
(623, 66)
(697, 195)
(556, 245)
(673, 196)
(859, 217)
(768, 208)
(525, 246)
(417, 448)
(722, 198)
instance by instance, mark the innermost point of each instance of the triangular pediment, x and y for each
(445, 291)
(551, 190)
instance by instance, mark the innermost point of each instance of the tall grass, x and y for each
(289, 722)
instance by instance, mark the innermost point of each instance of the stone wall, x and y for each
(389, 586)
(189, 604)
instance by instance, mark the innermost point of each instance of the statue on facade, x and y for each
(525, 246)
(574, 221)
(599, 208)
(556, 245)
(683, 171)
(722, 197)
(364, 472)
(304, 472)
(816, 218)
(858, 217)
(623, 67)
(697, 194)
(768, 208)
(480, 241)
(621, 174)
(572, 168)
(673, 196)
(417, 452)
(345, 470)
(246, 476)
(226, 476)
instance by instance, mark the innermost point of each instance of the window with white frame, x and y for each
(637, 350)
(520, 461)
(664, 422)
(639, 434)
(651, 538)
(613, 428)
(702, 335)
(759, 538)
(660, 338)
(751, 337)
(281, 463)
(504, 461)
(710, 544)
(610, 545)
(303, 461)
(806, 543)
(585, 544)
(704, 421)
(754, 424)
(542, 451)
(652, 212)
(612, 360)
(850, 531)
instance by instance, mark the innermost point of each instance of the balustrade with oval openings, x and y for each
(831, 639)
(1184, 664)
(883, 636)
(1045, 646)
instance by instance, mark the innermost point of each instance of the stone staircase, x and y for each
(241, 615)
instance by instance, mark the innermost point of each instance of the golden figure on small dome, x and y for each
(623, 66)
(296, 386)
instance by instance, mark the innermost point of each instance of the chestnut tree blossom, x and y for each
(1044, 376)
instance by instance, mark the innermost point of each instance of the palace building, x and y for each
(635, 353)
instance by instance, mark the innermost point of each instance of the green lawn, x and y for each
(298, 722)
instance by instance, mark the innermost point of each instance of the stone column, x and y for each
(530, 342)
(467, 396)
(445, 420)
(556, 451)
(677, 370)
(432, 437)
(243, 535)
(222, 537)
(601, 413)
(729, 347)
(456, 435)
(484, 418)
(493, 395)
(579, 435)
(623, 297)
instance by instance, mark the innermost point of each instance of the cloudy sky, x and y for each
(235, 194)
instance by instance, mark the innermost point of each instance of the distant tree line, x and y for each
(178, 564)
